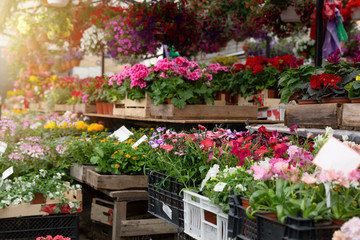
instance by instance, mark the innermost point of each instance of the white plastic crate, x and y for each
(202, 219)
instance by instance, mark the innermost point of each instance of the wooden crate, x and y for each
(127, 215)
(60, 107)
(119, 108)
(42, 105)
(135, 108)
(350, 117)
(115, 182)
(70, 107)
(34, 106)
(268, 100)
(27, 209)
(313, 115)
(78, 171)
(168, 111)
(85, 108)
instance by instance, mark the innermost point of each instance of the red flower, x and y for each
(257, 68)
(168, 148)
(207, 143)
(261, 151)
(201, 127)
(315, 82)
(280, 149)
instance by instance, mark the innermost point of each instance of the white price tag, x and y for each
(336, 155)
(3, 147)
(138, 142)
(122, 134)
(7, 173)
(167, 210)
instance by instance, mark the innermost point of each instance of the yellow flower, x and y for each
(134, 158)
(357, 78)
(50, 125)
(117, 165)
(102, 140)
(70, 143)
(144, 155)
(128, 156)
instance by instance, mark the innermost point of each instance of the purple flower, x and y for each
(335, 58)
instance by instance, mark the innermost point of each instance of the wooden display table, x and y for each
(116, 214)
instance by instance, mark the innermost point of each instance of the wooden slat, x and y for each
(119, 216)
(127, 195)
(146, 227)
(100, 213)
(313, 115)
(115, 182)
(350, 116)
(28, 209)
(204, 112)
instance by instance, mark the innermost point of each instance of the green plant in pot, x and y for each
(295, 81)
(353, 89)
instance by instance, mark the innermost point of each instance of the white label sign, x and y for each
(122, 134)
(336, 155)
(3, 147)
(138, 142)
(7, 173)
(167, 210)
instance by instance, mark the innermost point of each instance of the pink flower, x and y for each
(182, 62)
(84, 98)
(168, 148)
(308, 178)
(163, 75)
(259, 173)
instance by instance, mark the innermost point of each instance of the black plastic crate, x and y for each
(294, 228)
(266, 228)
(30, 228)
(165, 199)
(238, 223)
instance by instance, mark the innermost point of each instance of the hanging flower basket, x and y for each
(355, 15)
(290, 15)
(55, 3)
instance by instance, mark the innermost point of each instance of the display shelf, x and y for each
(303, 132)
(190, 121)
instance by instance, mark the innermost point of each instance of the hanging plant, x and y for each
(164, 22)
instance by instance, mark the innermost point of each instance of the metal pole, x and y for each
(319, 33)
(103, 64)
(268, 41)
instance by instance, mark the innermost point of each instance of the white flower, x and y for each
(241, 187)
(8, 187)
(28, 185)
(211, 173)
(51, 196)
(7, 202)
(329, 132)
(345, 138)
(17, 201)
(71, 204)
(219, 187)
(77, 186)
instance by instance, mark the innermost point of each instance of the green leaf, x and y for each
(94, 159)
(179, 103)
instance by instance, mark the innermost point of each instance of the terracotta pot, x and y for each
(68, 65)
(245, 202)
(270, 215)
(44, 68)
(218, 95)
(39, 198)
(338, 222)
(99, 108)
(168, 101)
(75, 62)
(210, 217)
(355, 100)
(231, 100)
(306, 101)
(272, 93)
(109, 108)
(335, 100)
